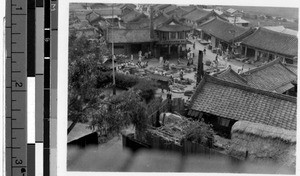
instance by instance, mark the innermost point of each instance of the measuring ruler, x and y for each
(31, 75)
(16, 87)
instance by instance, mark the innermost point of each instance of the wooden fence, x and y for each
(158, 143)
(155, 112)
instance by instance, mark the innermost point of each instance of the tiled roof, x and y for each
(162, 18)
(174, 28)
(293, 68)
(231, 10)
(129, 36)
(160, 6)
(140, 24)
(238, 102)
(179, 12)
(169, 8)
(140, 18)
(188, 8)
(222, 29)
(282, 29)
(237, 20)
(130, 16)
(273, 41)
(271, 76)
(232, 76)
(108, 11)
(173, 25)
(80, 130)
(196, 14)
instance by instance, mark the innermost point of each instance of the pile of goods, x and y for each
(177, 88)
(173, 131)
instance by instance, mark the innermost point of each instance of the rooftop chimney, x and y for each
(200, 72)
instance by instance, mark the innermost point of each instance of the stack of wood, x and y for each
(173, 132)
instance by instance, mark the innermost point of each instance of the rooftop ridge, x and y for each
(229, 69)
(276, 61)
(218, 81)
(280, 33)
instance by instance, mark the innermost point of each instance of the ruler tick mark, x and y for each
(15, 109)
(18, 90)
(16, 33)
(18, 128)
(18, 166)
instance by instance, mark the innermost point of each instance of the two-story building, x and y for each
(172, 37)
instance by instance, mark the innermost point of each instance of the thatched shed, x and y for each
(265, 143)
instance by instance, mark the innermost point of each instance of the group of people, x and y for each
(147, 55)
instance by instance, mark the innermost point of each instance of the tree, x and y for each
(119, 112)
(146, 89)
(85, 59)
(201, 133)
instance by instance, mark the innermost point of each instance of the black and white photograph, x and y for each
(181, 88)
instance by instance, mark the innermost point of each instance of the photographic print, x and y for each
(182, 88)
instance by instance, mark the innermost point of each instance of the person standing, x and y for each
(131, 58)
(181, 74)
(204, 50)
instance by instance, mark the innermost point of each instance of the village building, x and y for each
(265, 45)
(130, 16)
(168, 9)
(223, 103)
(273, 76)
(238, 21)
(231, 12)
(127, 8)
(220, 33)
(162, 8)
(177, 13)
(195, 17)
(138, 23)
(160, 19)
(230, 75)
(129, 41)
(172, 37)
(80, 135)
(111, 14)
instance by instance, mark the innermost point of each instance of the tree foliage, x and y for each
(108, 115)
(146, 89)
(119, 112)
(84, 62)
(201, 133)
